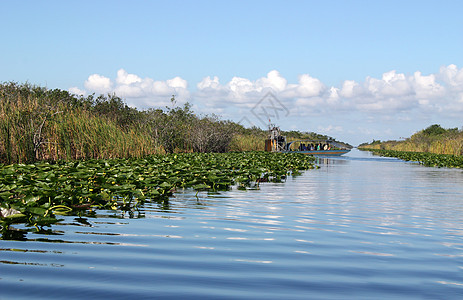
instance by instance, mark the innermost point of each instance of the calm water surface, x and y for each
(360, 227)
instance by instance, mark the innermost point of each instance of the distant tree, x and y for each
(435, 129)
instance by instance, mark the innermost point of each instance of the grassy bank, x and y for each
(39, 124)
(433, 139)
(424, 158)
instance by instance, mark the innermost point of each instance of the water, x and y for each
(360, 227)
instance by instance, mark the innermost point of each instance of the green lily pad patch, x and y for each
(35, 194)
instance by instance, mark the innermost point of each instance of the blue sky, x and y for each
(355, 70)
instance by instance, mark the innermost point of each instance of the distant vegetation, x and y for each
(433, 139)
(39, 124)
(424, 158)
(433, 147)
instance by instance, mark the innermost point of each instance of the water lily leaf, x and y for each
(105, 196)
(31, 198)
(37, 210)
(5, 195)
(165, 185)
(201, 186)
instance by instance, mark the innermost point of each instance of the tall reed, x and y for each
(247, 142)
(33, 126)
(447, 141)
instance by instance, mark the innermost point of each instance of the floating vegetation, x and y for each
(34, 194)
(424, 158)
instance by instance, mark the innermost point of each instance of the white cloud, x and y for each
(391, 84)
(426, 86)
(76, 91)
(349, 88)
(452, 77)
(241, 86)
(273, 80)
(208, 83)
(309, 86)
(98, 84)
(140, 92)
(124, 78)
(177, 82)
(394, 97)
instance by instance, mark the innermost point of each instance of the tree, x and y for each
(434, 130)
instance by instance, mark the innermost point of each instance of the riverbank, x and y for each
(433, 139)
(38, 124)
(424, 158)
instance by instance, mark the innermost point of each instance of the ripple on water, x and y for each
(357, 228)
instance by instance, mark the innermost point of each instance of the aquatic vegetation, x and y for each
(424, 158)
(34, 194)
(433, 139)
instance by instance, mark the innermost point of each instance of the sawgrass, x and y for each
(433, 139)
(31, 129)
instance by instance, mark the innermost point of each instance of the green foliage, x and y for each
(433, 139)
(40, 124)
(178, 129)
(424, 158)
(433, 130)
(34, 194)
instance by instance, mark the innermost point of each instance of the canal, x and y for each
(360, 227)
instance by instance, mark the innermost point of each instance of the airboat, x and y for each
(278, 143)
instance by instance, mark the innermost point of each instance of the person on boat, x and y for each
(325, 147)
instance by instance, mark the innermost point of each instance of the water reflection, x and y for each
(358, 227)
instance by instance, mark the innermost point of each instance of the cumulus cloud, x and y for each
(392, 100)
(394, 95)
(98, 84)
(124, 78)
(209, 83)
(349, 89)
(273, 80)
(137, 91)
(426, 86)
(452, 77)
(239, 91)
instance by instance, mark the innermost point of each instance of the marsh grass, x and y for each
(36, 124)
(433, 139)
(243, 142)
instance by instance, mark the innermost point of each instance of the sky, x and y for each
(354, 70)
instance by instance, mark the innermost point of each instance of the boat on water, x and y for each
(278, 143)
